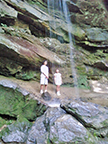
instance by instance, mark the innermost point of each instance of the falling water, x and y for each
(69, 24)
(51, 12)
(61, 6)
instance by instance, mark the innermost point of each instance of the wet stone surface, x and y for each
(46, 96)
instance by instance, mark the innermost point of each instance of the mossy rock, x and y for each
(28, 75)
(14, 103)
(83, 82)
(3, 125)
(16, 132)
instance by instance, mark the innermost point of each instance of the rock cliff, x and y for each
(32, 31)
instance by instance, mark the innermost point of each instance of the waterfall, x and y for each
(61, 6)
(69, 24)
(50, 4)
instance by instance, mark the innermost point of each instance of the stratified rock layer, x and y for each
(22, 53)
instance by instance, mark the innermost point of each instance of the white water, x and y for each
(50, 4)
(61, 6)
(69, 24)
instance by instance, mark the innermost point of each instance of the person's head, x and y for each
(57, 70)
(45, 62)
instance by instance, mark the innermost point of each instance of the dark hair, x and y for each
(44, 61)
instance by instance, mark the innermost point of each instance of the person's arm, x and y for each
(61, 79)
(45, 75)
(54, 78)
(48, 74)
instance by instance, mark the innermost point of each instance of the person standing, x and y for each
(58, 81)
(44, 76)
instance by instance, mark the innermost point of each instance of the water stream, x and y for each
(60, 6)
(69, 25)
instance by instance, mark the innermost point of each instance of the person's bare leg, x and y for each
(58, 88)
(41, 89)
(45, 88)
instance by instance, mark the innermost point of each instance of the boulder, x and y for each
(46, 96)
(17, 132)
(76, 122)
(40, 130)
(97, 35)
(68, 130)
(57, 127)
(15, 102)
(94, 117)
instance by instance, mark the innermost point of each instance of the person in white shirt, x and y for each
(58, 81)
(44, 76)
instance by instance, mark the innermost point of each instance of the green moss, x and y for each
(11, 101)
(3, 132)
(96, 74)
(5, 122)
(90, 72)
(32, 109)
(2, 122)
(39, 3)
(23, 126)
(21, 118)
(18, 107)
(105, 123)
(14, 104)
(83, 82)
(88, 63)
(81, 70)
(27, 75)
